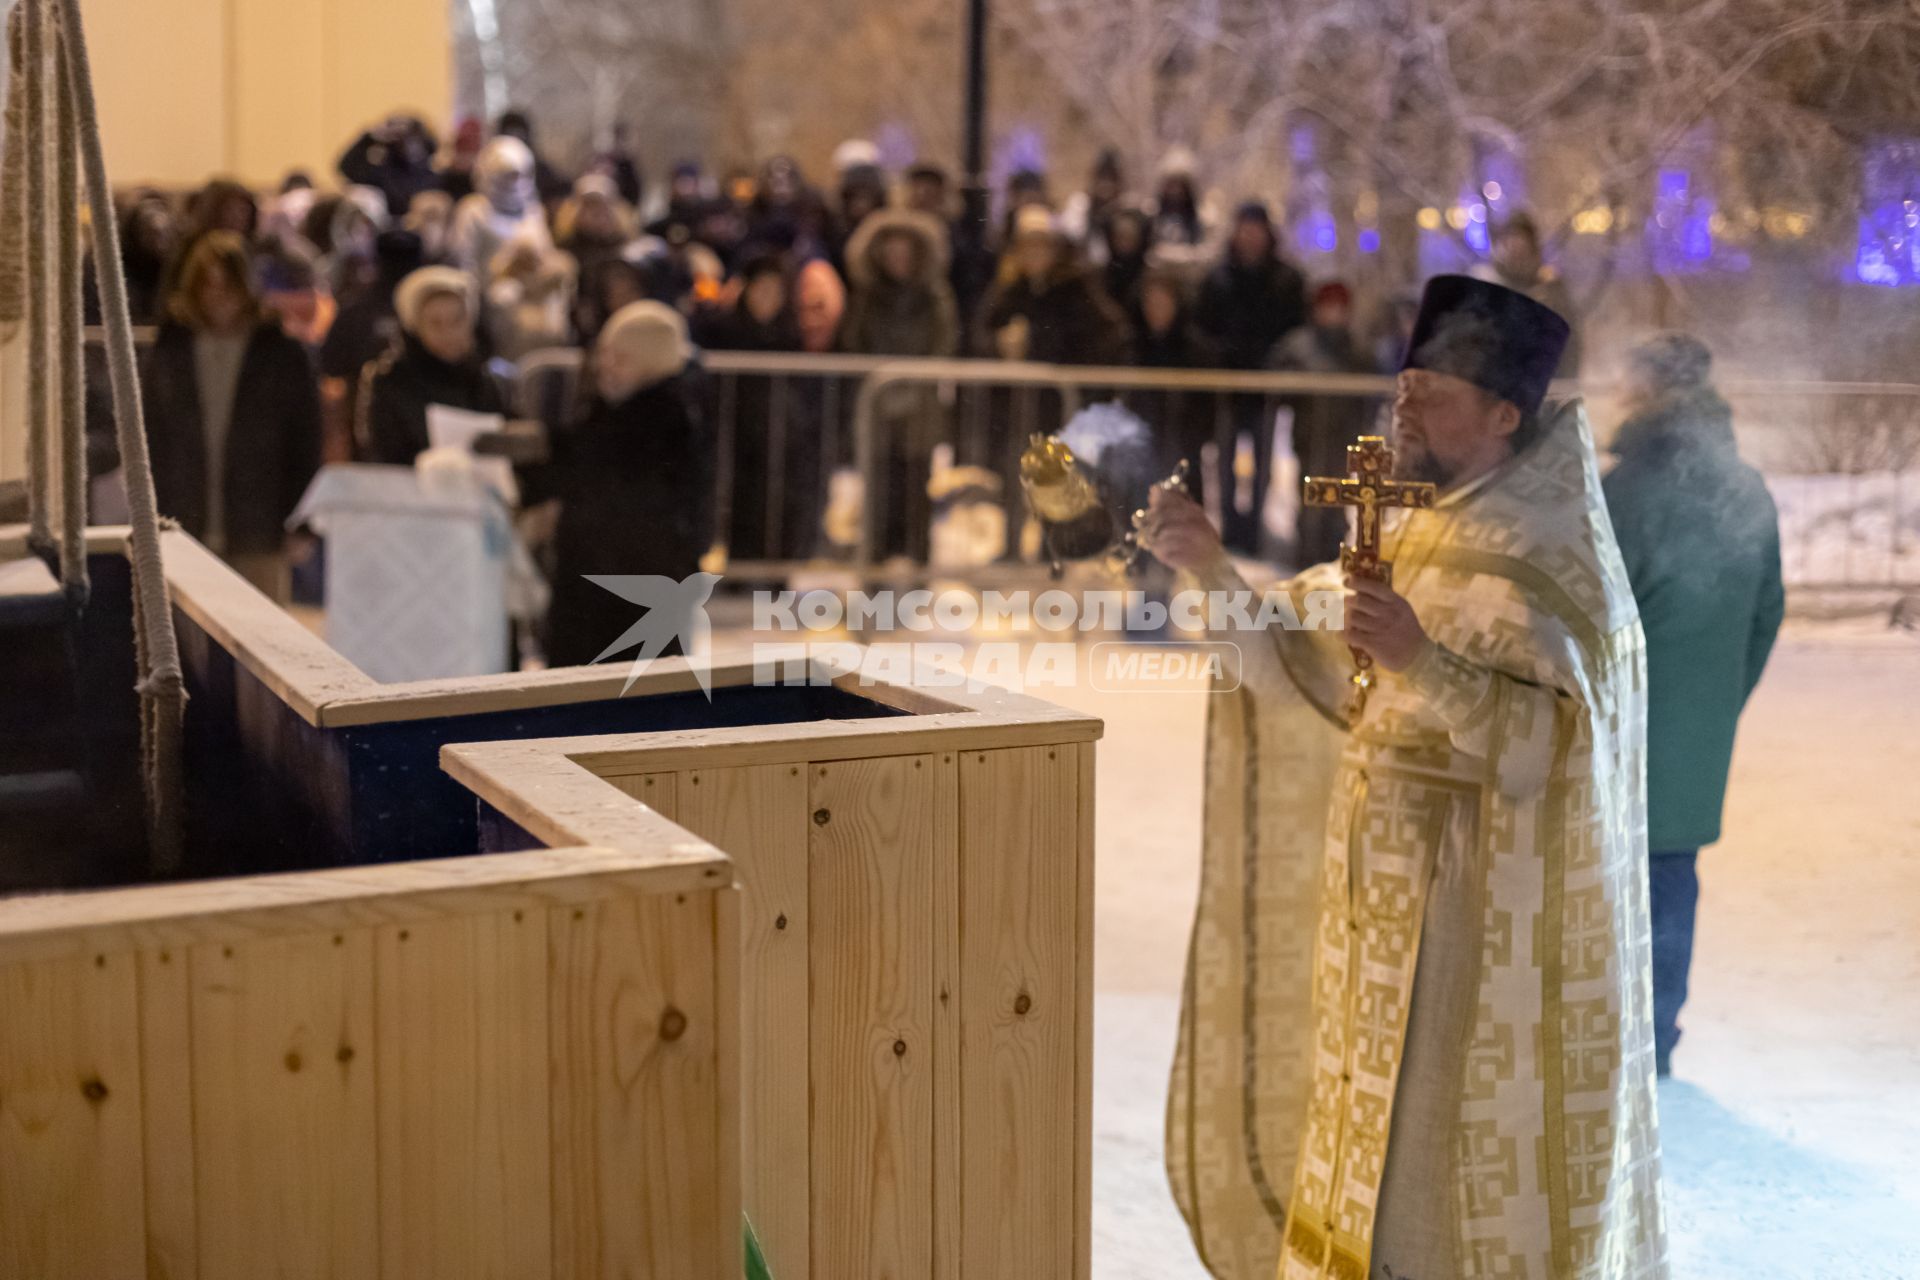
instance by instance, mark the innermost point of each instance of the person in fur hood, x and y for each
(902, 305)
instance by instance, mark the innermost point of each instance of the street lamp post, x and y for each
(975, 125)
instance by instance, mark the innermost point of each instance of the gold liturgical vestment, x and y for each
(1417, 1025)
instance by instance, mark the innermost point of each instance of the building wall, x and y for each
(247, 88)
(252, 88)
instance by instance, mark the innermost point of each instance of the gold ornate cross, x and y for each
(1370, 487)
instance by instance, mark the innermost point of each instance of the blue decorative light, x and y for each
(1888, 249)
(894, 141)
(1369, 240)
(1680, 232)
(1478, 231)
(1022, 149)
(1309, 205)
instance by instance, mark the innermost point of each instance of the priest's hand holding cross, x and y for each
(1382, 625)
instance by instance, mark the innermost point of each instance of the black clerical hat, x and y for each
(1498, 339)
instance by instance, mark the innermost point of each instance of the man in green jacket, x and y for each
(1701, 541)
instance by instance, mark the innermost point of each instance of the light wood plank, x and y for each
(871, 867)
(948, 1043)
(727, 1203)
(465, 1192)
(301, 668)
(633, 1039)
(50, 926)
(758, 816)
(655, 790)
(283, 1080)
(1019, 863)
(1083, 936)
(70, 1121)
(614, 755)
(166, 1087)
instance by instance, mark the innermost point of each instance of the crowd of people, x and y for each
(309, 324)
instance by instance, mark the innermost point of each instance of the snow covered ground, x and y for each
(1792, 1130)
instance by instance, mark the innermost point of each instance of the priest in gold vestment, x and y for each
(1416, 1037)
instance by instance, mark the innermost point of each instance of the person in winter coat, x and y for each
(549, 184)
(776, 444)
(635, 483)
(436, 361)
(1323, 426)
(395, 157)
(1254, 297)
(503, 207)
(863, 192)
(594, 224)
(687, 193)
(293, 293)
(456, 169)
(613, 284)
(233, 413)
(785, 212)
(1084, 219)
(430, 218)
(1164, 337)
(529, 299)
(354, 221)
(1701, 542)
(1247, 303)
(1046, 306)
(970, 263)
(1026, 189)
(1176, 218)
(223, 205)
(620, 163)
(1126, 238)
(148, 235)
(902, 305)
(1517, 263)
(361, 333)
(761, 317)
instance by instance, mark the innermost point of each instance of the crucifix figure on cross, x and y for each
(1369, 487)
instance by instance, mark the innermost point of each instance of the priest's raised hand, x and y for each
(1381, 624)
(1178, 532)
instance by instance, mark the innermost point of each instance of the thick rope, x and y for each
(39, 482)
(13, 179)
(162, 688)
(73, 394)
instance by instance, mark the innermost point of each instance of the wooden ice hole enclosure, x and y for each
(518, 976)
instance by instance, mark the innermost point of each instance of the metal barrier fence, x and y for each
(786, 423)
(1837, 456)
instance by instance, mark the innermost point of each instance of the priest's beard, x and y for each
(1414, 461)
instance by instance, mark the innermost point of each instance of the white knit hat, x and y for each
(654, 335)
(420, 287)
